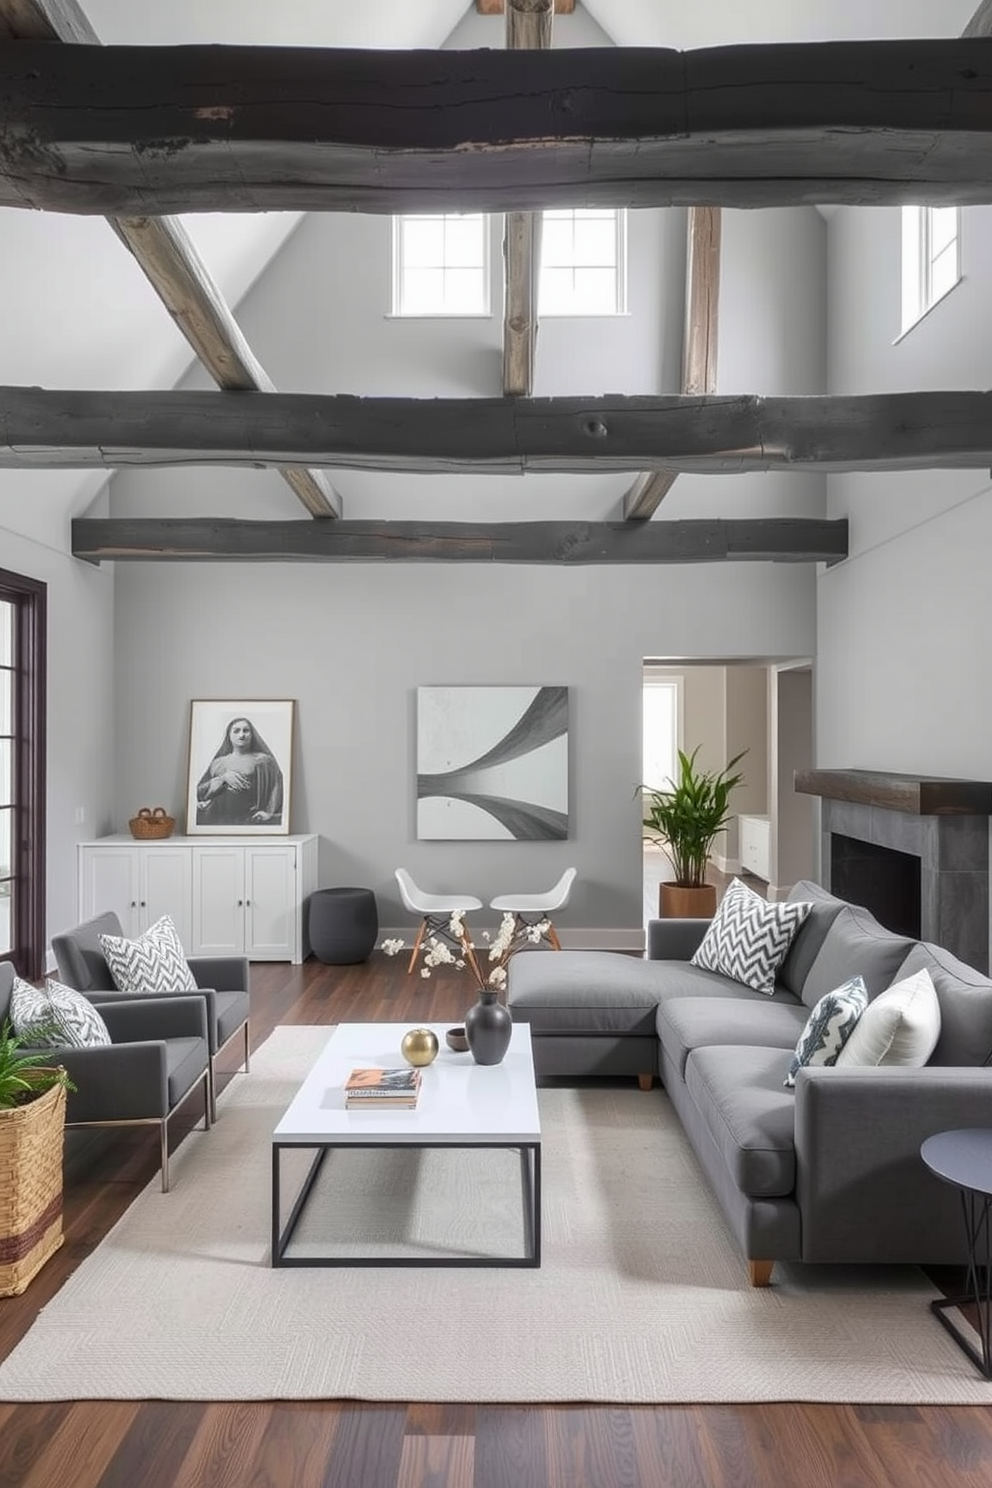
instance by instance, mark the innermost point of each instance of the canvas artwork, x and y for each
(492, 763)
(239, 766)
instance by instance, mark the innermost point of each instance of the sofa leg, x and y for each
(645, 1081)
(759, 1273)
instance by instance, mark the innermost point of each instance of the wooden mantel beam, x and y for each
(768, 540)
(158, 130)
(726, 434)
(168, 258)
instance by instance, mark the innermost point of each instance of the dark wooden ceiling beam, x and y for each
(772, 539)
(699, 344)
(166, 255)
(157, 130)
(528, 25)
(727, 434)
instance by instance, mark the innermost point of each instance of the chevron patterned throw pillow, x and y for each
(748, 938)
(154, 963)
(53, 1015)
(829, 1026)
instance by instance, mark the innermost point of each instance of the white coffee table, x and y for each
(461, 1105)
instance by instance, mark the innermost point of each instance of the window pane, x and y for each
(6, 826)
(660, 735)
(422, 244)
(6, 632)
(596, 242)
(6, 917)
(463, 291)
(6, 782)
(6, 702)
(943, 228)
(463, 242)
(595, 291)
(422, 291)
(557, 242)
(556, 292)
(944, 273)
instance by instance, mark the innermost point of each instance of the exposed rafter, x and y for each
(169, 260)
(981, 22)
(157, 130)
(528, 24)
(729, 434)
(498, 7)
(771, 539)
(699, 344)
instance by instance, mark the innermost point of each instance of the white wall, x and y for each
(902, 624)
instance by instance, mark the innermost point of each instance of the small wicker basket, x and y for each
(31, 1139)
(152, 823)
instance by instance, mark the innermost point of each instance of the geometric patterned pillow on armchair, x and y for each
(155, 962)
(45, 1017)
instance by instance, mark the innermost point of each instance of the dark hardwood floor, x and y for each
(157, 1444)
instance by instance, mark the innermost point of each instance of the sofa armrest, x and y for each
(114, 1082)
(675, 940)
(223, 973)
(863, 1190)
(140, 1018)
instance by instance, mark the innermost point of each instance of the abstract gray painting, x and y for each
(492, 762)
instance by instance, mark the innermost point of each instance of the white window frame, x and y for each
(619, 266)
(918, 260)
(397, 309)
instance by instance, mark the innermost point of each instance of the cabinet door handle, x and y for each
(144, 903)
(241, 904)
(248, 903)
(134, 903)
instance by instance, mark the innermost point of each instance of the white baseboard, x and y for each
(727, 865)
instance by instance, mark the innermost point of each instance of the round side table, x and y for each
(964, 1159)
(343, 925)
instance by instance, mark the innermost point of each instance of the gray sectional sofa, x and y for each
(829, 1171)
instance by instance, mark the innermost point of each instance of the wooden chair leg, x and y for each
(759, 1273)
(553, 937)
(416, 946)
(645, 1081)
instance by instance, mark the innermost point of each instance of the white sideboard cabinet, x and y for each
(756, 845)
(227, 895)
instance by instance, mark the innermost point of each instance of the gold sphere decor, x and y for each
(419, 1046)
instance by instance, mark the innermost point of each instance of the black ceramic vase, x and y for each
(488, 1027)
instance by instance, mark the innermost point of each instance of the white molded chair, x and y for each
(531, 909)
(435, 909)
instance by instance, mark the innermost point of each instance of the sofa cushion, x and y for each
(584, 992)
(811, 934)
(687, 1023)
(748, 938)
(742, 1100)
(965, 998)
(855, 945)
(829, 1026)
(900, 1027)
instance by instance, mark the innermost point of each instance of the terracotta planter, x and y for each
(678, 903)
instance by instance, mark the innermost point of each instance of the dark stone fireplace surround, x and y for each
(942, 823)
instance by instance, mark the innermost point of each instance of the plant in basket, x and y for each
(32, 1124)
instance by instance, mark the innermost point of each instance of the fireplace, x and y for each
(912, 849)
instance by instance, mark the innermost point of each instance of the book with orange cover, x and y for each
(383, 1087)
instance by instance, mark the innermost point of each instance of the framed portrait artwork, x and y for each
(239, 769)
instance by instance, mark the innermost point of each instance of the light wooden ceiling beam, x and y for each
(600, 435)
(167, 257)
(157, 130)
(498, 7)
(528, 25)
(764, 540)
(699, 344)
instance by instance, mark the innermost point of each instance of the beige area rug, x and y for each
(641, 1296)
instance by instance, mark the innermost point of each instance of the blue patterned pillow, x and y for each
(748, 938)
(53, 1015)
(829, 1026)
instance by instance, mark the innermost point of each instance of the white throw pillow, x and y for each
(829, 1026)
(154, 963)
(748, 938)
(53, 1015)
(901, 1026)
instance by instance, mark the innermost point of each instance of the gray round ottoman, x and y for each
(343, 925)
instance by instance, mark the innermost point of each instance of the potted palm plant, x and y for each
(32, 1126)
(684, 820)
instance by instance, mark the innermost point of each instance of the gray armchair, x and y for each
(157, 1057)
(222, 983)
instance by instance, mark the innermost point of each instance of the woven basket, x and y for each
(151, 824)
(31, 1140)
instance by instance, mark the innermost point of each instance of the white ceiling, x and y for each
(103, 326)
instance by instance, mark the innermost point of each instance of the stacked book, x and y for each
(396, 1089)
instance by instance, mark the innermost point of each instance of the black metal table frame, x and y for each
(530, 1175)
(975, 1206)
